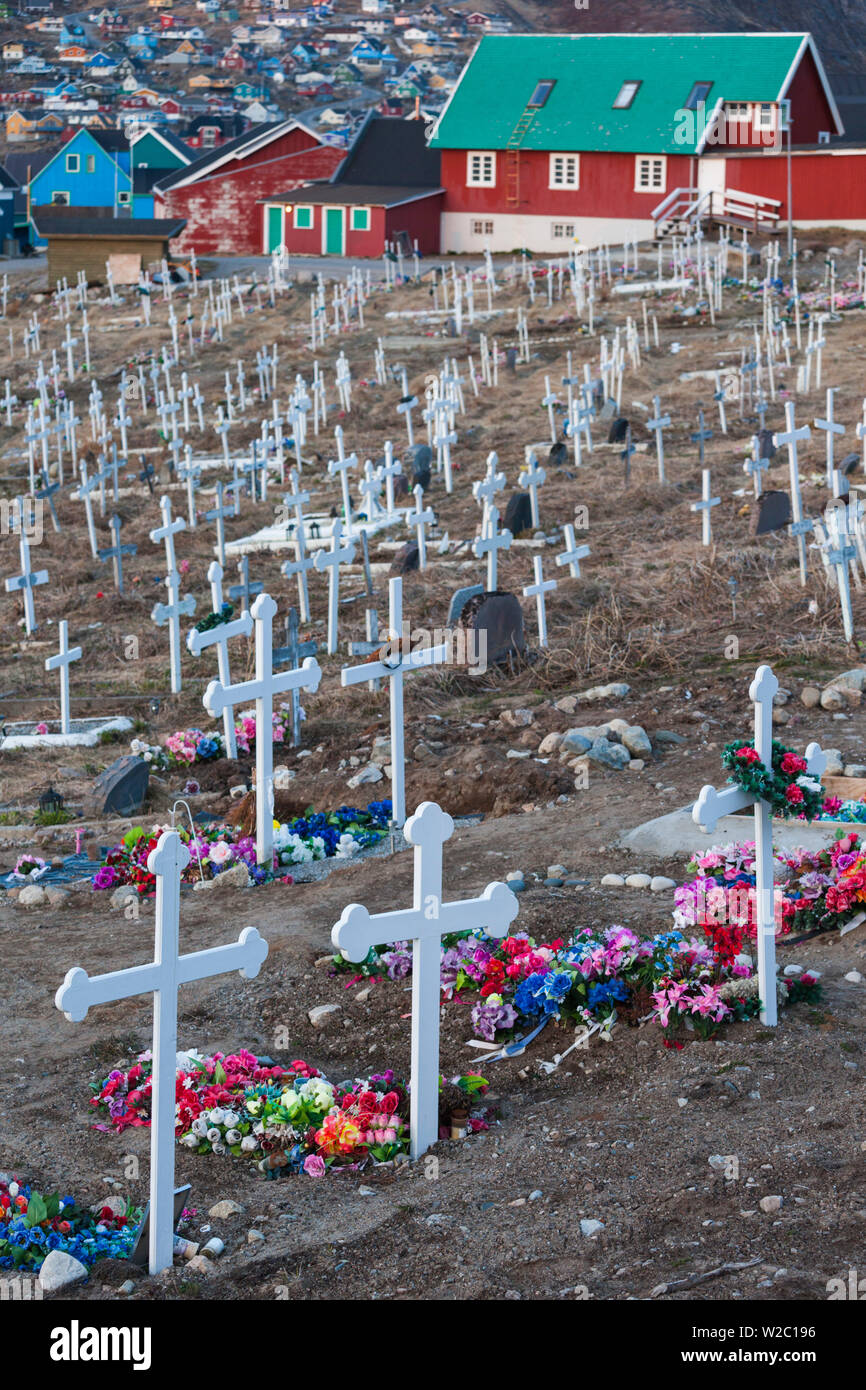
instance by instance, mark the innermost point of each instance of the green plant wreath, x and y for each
(790, 790)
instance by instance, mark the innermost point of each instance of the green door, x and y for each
(275, 228)
(334, 231)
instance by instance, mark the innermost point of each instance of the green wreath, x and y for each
(216, 619)
(788, 788)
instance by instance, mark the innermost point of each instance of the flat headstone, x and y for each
(772, 512)
(500, 616)
(119, 790)
(518, 513)
(460, 600)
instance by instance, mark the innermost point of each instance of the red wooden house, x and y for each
(386, 190)
(549, 140)
(219, 193)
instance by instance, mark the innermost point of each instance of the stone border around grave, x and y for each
(677, 833)
(83, 733)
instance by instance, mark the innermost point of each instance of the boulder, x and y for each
(59, 1270)
(608, 754)
(833, 699)
(228, 881)
(550, 744)
(636, 740)
(517, 718)
(221, 1211)
(810, 696)
(31, 895)
(325, 1015)
(370, 773)
(576, 741)
(617, 690)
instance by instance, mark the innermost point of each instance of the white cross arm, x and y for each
(80, 991)
(381, 670)
(163, 612)
(711, 805)
(25, 581)
(62, 658)
(246, 955)
(358, 929)
(325, 558)
(218, 697)
(240, 627)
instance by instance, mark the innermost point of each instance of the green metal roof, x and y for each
(589, 70)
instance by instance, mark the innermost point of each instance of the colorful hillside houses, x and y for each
(220, 192)
(551, 139)
(354, 213)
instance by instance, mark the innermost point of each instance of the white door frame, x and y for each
(333, 207)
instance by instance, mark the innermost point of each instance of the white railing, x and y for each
(690, 205)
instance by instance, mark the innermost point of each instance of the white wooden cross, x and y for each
(800, 525)
(424, 924)
(421, 517)
(60, 661)
(658, 424)
(398, 661)
(219, 514)
(704, 506)
(830, 428)
(756, 465)
(392, 468)
(219, 637)
(370, 489)
(711, 805)
(8, 401)
(167, 532)
(405, 407)
(28, 579)
(838, 553)
(331, 560)
(116, 552)
(162, 977)
(485, 490)
(262, 689)
(532, 478)
(573, 553)
(538, 591)
(170, 614)
(341, 465)
(489, 543)
(549, 400)
(83, 494)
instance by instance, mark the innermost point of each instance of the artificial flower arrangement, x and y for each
(594, 978)
(787, 786)
(28, 867)
(317, 835)
(188, 746)
(290, 1117)
(31, 1225)
(844, 809)
(721, 887)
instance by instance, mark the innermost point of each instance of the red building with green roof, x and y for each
(551, 139)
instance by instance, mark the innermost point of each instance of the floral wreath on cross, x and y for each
(788, 787)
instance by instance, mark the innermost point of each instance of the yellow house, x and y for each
(422, 50)
(200, 80)
(187, 47)
(13, 51)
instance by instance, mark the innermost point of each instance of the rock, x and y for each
(199, 1264)
(556, 871)
(229, 881)
(324, 1015)
(518, 753)
(31, 895)
(718, 1163)
(854, 977)
(636, 740)
(660, 884)
(832, 699)
(550, 743)
(782, 696)
(638, 881)
(810, 696)
(368, 774)
(517, 718)
(780, 716)
(576, 741)
(855, 769)
(567, 705)
(381, 752)
(122, 895)
(590, 1227)
(57, 897)
(770, 1204)
(667, 736)
(366, 1191)
(835, 766)
(554, 882)
(855, 679)
(363, 995)
(255, 1237)
(422, 752)
(59, 1270)
(514, 874)
(323, 962)
(608, 754)
(636, 765)
(283, 777)
(616, 691)
(221, 1211)
(612, 881)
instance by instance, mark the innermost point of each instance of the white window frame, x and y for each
(481, 226)
(90, 164)
(629, 89)
(570, 163)
(562, 231)
(478, 173)
(73, 167)
(653, 184)
(366, 226)
(61, 193)
(304, 207)
(124, 197)
(765, 115)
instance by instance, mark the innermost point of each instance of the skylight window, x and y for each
(540, 95)
(625, 96)
(698, 95)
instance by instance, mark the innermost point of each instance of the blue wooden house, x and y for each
(91, 170)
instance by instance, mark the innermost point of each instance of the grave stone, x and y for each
(772, 513)
(499, 617)
(119, 790)
(406, 559)
(518, 513)
(618, 430)
(459, 601)
(420, 459)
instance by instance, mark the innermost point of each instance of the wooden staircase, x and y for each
(686, 208)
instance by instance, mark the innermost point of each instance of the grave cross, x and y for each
(485, 490)
(294, 652)
(657, 424)
(82, 494)
(538, 591)
(219, 514)
(396, 660)
(700, 436)
(28, 579)
(340, 465)
(116, 552)
(161, 977)
(711, 805)
(245, 590)
(532, 478)
(800, 525)
(219, 637)
(489, 543)
(331, 560)
(838, 553)
(756, 465)
(421, 517)
(167, 532)
(147, 475)
(705, 505)
(424, 924)
(573, 553)
(45, 493)
(61, 661)
(830, 428)
(170, 614)
(262, 689)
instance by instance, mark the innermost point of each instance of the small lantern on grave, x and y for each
(50, 802)
(153, 706)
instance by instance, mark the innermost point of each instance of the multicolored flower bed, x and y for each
(850, 810)
(188, 746)
(807, 888)
(593, 979)
(284, 1117)
(213, 849)
(31, 1225)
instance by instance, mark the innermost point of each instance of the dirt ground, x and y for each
(652, 608)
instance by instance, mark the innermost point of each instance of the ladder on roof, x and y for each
(512, 156)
